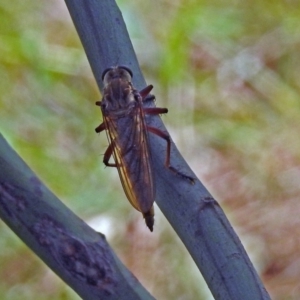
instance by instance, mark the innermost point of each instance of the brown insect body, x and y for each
(127, 132)
(124, 122)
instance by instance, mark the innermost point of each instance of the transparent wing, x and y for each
(129, 138)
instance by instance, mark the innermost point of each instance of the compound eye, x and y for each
(127, 70)
(105, 72)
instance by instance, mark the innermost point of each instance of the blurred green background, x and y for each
(229, 73)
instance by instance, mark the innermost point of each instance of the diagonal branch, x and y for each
(194, 214)
(73, 250)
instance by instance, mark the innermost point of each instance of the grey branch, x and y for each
(73, 250)
(194, 214)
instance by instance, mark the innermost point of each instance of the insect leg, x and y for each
(155, 110)
(166, 137)
(145, 94)
(100, 128)
(149, 98)
(107, 156)
(145, 91)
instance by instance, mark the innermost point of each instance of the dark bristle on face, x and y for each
(121, 67)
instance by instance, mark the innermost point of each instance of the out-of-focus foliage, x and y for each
(227, 71)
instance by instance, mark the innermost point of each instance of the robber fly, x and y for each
(127, 132)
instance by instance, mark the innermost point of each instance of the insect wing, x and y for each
(131, 154)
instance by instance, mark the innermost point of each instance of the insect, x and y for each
(127, 132)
